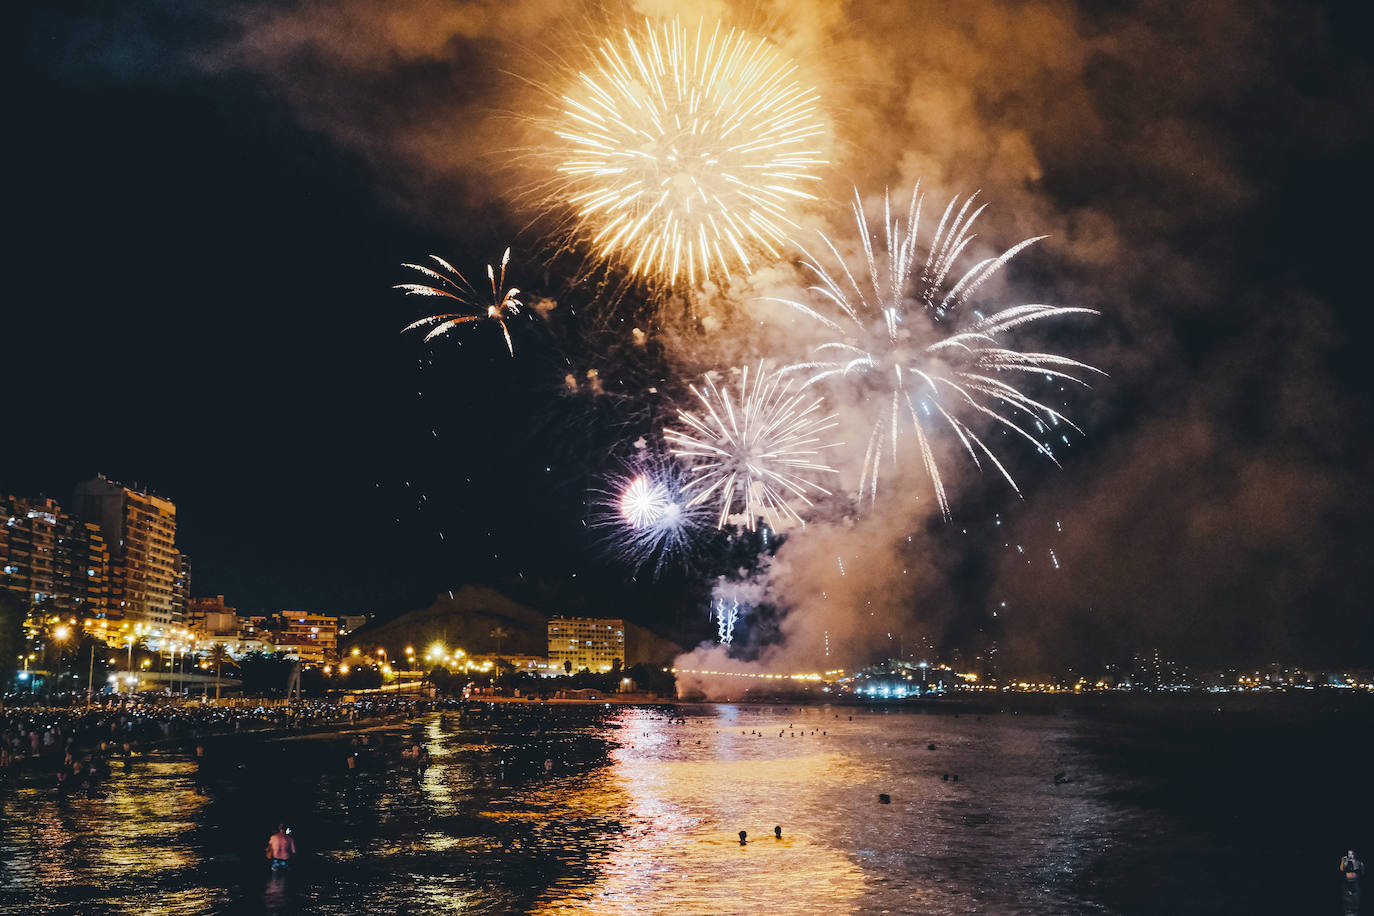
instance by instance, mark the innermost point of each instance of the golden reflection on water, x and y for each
(679, 850)
(141, 829)
(637, 811)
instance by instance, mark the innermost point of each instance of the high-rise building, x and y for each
(30, 549)
(55, 563)
(140, 531)
(181, 587)
(81, 569)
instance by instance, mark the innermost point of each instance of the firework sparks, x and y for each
(754, 454)
(644, 503)
(644, 513)
(687, 150)
(956, 376)
(503, 304)
(727, 615)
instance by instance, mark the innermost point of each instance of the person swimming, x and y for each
(744, 838)
(777, 833)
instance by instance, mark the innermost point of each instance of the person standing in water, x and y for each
(1352, 869)
(280, 848)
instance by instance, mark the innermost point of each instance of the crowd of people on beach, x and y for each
(79, 744)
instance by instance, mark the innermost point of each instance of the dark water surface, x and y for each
(1189, 810)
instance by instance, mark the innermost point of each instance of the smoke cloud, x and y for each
(1210, 500)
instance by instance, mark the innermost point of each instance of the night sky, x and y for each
(209, 205)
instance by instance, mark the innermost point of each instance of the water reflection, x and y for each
(584, 810)
(681, 818)
(683, 790)
(127, 838)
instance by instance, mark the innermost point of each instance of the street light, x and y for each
(61, 633)
(90, 677)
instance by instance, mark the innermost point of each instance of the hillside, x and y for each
(465, 621)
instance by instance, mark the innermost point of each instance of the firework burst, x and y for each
(453, 285)
(687, 150)
(753, 454)
(964, 375)
(644, 515)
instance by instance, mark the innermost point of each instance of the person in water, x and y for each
(280, 848)
(1352, 869)
(744, 838)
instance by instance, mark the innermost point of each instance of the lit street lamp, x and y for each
(61, 633)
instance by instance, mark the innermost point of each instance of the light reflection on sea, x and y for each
(587, 810)
(128, 838)
(1001, 839)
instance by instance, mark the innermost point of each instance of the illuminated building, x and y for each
(56, 563)
(211, 617)
(597, 643)
(181, 587)
(588, 642)
(312, 638)
(140, 531)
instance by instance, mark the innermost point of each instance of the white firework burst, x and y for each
(644, 515)
(971, 373)
(757, 453)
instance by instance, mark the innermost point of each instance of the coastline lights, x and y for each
(808, 676)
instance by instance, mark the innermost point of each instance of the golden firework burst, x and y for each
(688, 150)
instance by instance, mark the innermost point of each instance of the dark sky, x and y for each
(207, 211)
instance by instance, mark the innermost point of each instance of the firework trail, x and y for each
(643, 513)
(755, 453)
(937, 384)
(687, 149)
(503, 304)
(727, 615)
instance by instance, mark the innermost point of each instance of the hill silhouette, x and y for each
(462, 619)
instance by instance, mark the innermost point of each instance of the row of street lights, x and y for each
(178, 647)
